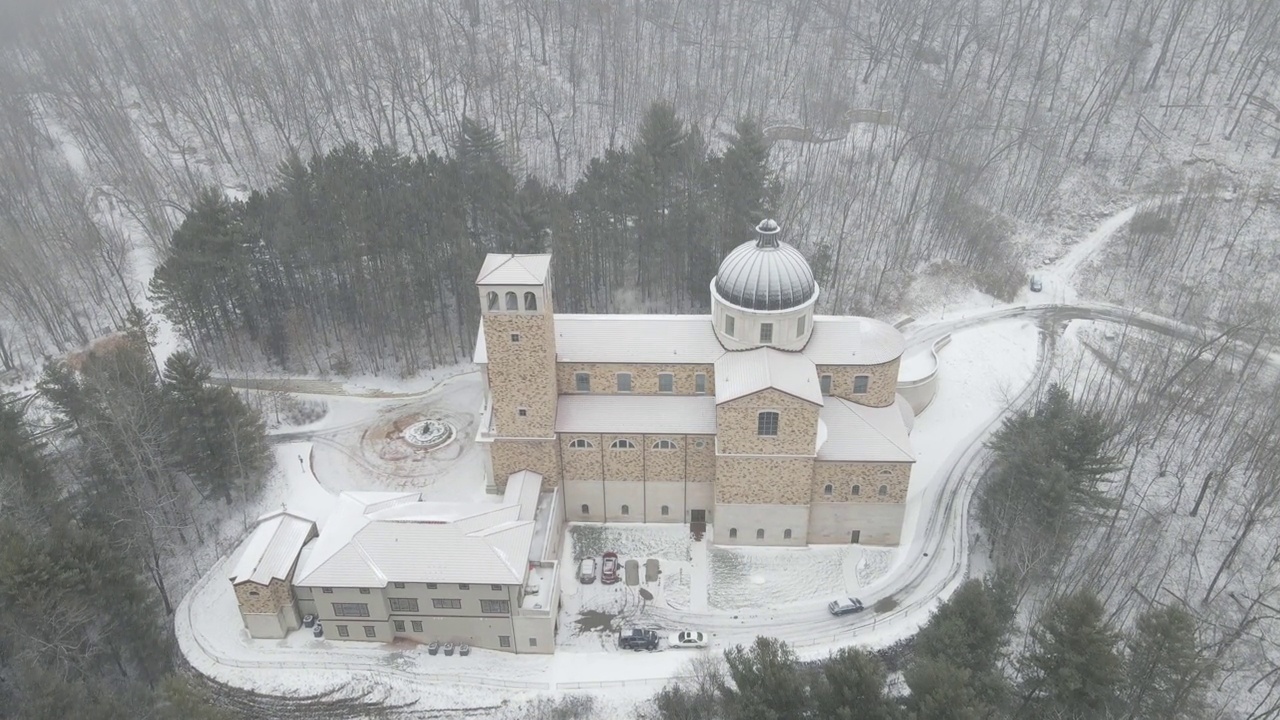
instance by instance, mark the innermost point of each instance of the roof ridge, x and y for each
(852, 408)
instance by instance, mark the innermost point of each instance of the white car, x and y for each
(688, 639)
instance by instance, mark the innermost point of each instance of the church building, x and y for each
(769, 423)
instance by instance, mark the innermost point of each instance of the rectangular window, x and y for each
(327, 591)
(700, 383)
(364, 591)
(497, 607)
(369, 631)
(416, 625)
(399, 625)
(409, 605)
(582, 382)
(446, 603)
(728, 325)
(431, 586)
(766, 332)
(624, 382)
(800, 325)
(860, 384)
(825, 381)
(533, 642)
(351, 609)
(464, 586)
(666, 382)
(343, 631)
(767, 423)
(515, 337)
(522, 412)
(504, 641)
(498, 588)
(398, 586)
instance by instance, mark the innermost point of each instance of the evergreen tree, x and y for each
(767, 682)
(22, 461)
(941, 690)
(1165, 674)
(1073, 669)
(749, 189)
(850, 685)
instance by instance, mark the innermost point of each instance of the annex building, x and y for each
(772, 424)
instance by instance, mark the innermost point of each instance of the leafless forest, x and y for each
(917, 136)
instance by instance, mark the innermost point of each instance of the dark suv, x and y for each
(638, 639)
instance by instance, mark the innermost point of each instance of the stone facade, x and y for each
(622, 464)
(511, 456)
(269, 598)
(702, 460)
(521, 373)
(763, 480)
(644, 378)
(585, 464)
(882, 383)
(736, 425)
(842, 476)
(686, 462)
(663, 465)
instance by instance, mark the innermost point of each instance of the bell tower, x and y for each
(518, 323)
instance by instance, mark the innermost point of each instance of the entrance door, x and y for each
(855, 536)
(697, 516)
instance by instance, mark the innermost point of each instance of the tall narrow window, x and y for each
(860, 384)
(786, 534)
(760, 534)
(666, 382)
(624, 382)
(884, 491)
(582, 382)
(530, 301)
(586, 509)
(767, 423)
(626, 509)
(801, 324)
(728, 325)
(827, 489)
(766, 332)
(733, 533)
(856, 490)
(512, 302)
(492, 299)
(825, 382)
(700, 383)
(666, 510)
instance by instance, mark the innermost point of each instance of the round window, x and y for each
(699, 443)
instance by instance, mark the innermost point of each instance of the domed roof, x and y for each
(765, 274)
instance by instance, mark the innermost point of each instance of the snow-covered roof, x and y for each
(508, 269)
(852, 341)
(739, 374)
(678, 339)
(857, 433)
(372, 538)
(271, 549)
(643, 414)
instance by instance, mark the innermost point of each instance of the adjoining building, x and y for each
(381, 566)
(777, 425)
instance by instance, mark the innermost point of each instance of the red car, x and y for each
(609, 568)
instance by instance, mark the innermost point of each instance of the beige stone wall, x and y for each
(842, 476)
(621, 464)
(797, 425)
(881, 387)
(644, 378)
(876, 523)
(268, 598)
(585, 464)
(702, 460)
(763, 480)
(664, 465)
(511, 456)
(522, 374)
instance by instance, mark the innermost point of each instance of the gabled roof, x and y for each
(857, 433)
(507, 269)
(739, 374)
(271, 549)
(636, 339)
(640, 414)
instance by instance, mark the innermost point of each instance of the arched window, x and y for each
(664, 445)
(581, 444)
(827, 489)
(733, 533)
(760, 534)
(786, 534)
(666, 510)
(886, 471)
(626, 509)
(622, 444)
(884, 490)
(586, 509)
(856, 490)
(860, 384)
(530, 301)
(512, 303)
(767, 423)
(493, 300)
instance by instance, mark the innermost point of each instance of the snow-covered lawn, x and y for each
(766, 577)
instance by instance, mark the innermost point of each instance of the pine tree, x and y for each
(767, 682)
(1073, 669)
(749, 189)
(967, 632)
(851, 686)
(1165, 674)
(22, 460)
(942, 691)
